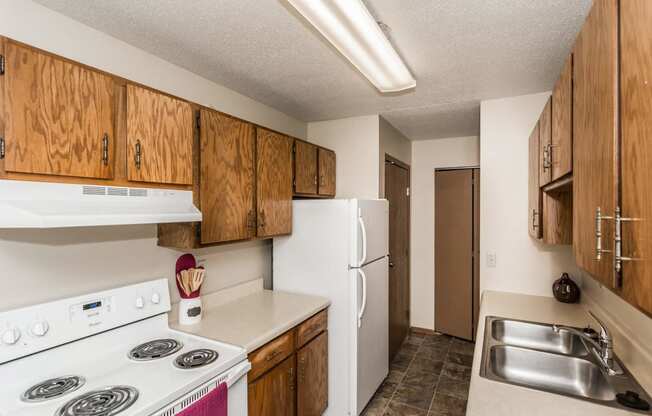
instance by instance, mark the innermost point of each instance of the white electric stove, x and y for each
(111, 353)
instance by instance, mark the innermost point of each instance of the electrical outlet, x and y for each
(491, 259)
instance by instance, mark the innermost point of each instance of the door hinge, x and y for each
(2, 147)
(2, 64)
(407, 191)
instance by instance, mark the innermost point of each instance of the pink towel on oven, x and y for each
(213, 404)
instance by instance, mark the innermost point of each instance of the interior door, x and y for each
(305, 168)
(636, 150)
(160, 132)
(454, 252)
(274, 183)
(595, 124)
(59, 116)
(228, 177)
(534, 191)
(397, 182)
(372, 339)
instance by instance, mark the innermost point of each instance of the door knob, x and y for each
(391, 264)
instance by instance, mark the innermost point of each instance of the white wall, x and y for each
(355, 140)
(49, 264)
(427, 156)
(395, 144)
(523, 264)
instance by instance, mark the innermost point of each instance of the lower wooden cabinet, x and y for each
(312, 370)
(273, 394)
(289, 375)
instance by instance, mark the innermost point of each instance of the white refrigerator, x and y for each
(339, 249)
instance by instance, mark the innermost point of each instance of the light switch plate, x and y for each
(491, 259)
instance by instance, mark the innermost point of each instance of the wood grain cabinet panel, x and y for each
(271, 354)
(534, 190)
(636, 150)
(327, 176)
(545, 144)
(227, 148)
(595, 124)
(59, 116)
(561, 150)
(305, 168)
(274, 179)
(160, 133)
(312, 370)
(313, 326)
(274, 394)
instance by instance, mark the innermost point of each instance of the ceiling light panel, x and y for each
(352, 30)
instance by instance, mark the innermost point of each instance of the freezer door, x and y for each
(372, 340)
(370, 225)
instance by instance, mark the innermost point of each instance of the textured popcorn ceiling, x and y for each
(460, 52)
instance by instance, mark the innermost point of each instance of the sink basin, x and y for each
(537, 336)
(550, 372)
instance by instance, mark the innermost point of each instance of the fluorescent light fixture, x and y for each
(348, 25)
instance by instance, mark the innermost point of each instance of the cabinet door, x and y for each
(534, 191)
(227, 149)
(545, 144)
(636, 150)
(561, 151)
(326, 172)
(305, 168)
(274, 183)
(59, 116)
(595, 123)
(274, 393)
(159, 138)
(312, 386)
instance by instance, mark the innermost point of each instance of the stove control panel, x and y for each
(36, 328)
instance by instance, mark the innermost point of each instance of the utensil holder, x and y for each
(190, 311)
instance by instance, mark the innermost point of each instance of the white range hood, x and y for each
(55, 205)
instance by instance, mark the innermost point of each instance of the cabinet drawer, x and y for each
(271, 354)
(312, 327)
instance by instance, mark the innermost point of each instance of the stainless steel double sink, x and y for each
(533, 355)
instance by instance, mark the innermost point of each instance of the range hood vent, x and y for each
(55, 205)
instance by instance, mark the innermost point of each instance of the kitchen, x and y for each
(143, 141)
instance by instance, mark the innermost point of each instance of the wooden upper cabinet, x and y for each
(312, 371)
(227, 172)
(274, 393)
(561, 150)
(274, 183)
(159, 137)
(305, 168)
(636, 150)
(534, 190)
(59, 116)
(326, 172)
(545, 144)
(595, 124)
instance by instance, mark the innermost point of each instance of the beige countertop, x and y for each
(252, 321)
(492, 398)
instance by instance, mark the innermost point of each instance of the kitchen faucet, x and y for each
(602, 348)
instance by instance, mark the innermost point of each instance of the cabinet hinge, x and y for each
(2, 65)
(198, 119)
(294, 148)
(2, 147)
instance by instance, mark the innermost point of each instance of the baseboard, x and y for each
(423, 331)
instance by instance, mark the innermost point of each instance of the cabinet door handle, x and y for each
(273, 355)
(105, 149)
(302, 369)
(291, 374)
(535, 215)
(618, 242)
(598, 233)
(138, 157)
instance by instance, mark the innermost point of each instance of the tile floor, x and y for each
(429, 376)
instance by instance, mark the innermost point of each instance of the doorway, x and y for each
(457, 237)
(397, 192)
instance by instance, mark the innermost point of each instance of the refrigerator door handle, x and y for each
(363, 232)
(364, 296)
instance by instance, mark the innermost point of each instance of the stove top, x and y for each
(133, 369)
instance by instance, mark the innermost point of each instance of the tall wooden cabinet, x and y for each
(228, 179)
(636, 151)
(595, 134)
(59, 116)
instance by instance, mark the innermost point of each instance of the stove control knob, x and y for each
(156, 298)
(39, 328)
(11, 336)
(140, 302)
